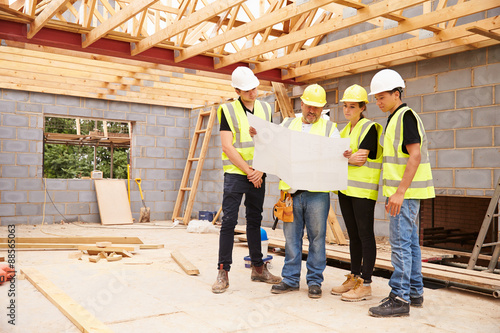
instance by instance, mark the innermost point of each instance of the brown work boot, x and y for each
(348, 284)
(222, 282)
(262, 274)
(358, 293)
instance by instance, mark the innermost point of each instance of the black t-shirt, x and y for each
(370, 142)
(410, 128)
(224, 125)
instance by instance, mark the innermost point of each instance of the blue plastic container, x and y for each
(248, 261)
(206, 215)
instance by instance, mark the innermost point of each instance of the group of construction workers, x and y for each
(407, 179)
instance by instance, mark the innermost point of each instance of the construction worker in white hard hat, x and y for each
(310, 209)
(357, 202)
(240, 178)
(407, 179)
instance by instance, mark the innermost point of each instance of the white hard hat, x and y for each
(386, 80)
(244, 79)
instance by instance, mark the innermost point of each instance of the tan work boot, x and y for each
(358, 293)
(222, 282)
(348, 284)
(262, 274)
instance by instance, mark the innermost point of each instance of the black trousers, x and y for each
(359, 214)
(234, 187)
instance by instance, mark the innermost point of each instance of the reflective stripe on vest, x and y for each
(362, 181)
(321, 127)
(395, 160)
(238, 122)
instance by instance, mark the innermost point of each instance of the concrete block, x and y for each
(92, 103)
(455, 158)
(37, 196)
(14, 197)
(155, 130)
(56, 184)
(55, 209)
(55, 109)
(16, 95)
(473, 179)
(119, 106)
(487, 158)
(8, 106)
(140, 108)
(486, 75)
(42, 98)
(474, 138)
(468, 59)
(415, 103)
(30, 134)
(158, 110)
(79, 112)
(165, 185)
(7, 184)
(177, 132)
(474, 97)
(35, 171)
(17, 220)
(69, 100)
(29, 159)
(142, 163)
(456, 192)
(34, 220)
(97, 113)
(165, 121)
(497, 136)
(15, 120)
(78, 208)
(65, 196)
(432, 157)
(439, 101)
(87, 196)
(381, 228)
(152, 196)
(136, 117)
(433, 66)
(454, 80)
(29, 184)
(14, 171)
(174, 174)
(144, 141)
(164, 163)
(7, 158)
(180, 164)
(175, 153)
(28, 209)
(487, 116)
(475, 193)
(155, 174)
(420, 86)
(442, 178)
(7, 210)
(178, 112)
(94, 208)
(493, 54)
(112, 115)
(440, 139)
(185, 143)
(454, 119)
(429, 120)
(151, 120)
(155, 152)
(7, 133)
(165, 142)
(182, 122)
(496, 176)
(79, 184)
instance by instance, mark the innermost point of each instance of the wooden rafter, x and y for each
(45, 16)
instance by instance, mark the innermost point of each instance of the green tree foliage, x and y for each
(70, 161)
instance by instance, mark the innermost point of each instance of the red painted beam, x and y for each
(73, 41)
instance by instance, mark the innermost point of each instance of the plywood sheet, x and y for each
(113, 202)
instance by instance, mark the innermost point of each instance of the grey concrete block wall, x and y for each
(154, 156)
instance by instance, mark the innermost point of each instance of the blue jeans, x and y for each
(406, 280)
(234, 187)
(310, 210)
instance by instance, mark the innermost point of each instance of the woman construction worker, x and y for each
(357, 203)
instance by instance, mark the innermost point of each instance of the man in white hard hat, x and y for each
(240, 178)
(310, 209)
(407, 179)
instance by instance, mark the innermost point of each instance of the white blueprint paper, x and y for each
(302, 160)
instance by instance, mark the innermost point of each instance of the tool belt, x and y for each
(283, 209)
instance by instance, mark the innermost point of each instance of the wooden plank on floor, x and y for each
(76, 240)
(108, 249)
(59, 246)
(78, 315)
(185, 264)
(113, 202)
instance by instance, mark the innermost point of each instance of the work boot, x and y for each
(417, 302)
(314, 291)
(348, 284)
(282, 288)
(262, 274)
(392, 306)
(358, 293)
(222, 282)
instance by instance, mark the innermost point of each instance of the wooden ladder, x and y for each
(334, 232)
(490, 214)
(184, 188)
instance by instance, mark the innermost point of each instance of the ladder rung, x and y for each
(491, 244)
(185, 189)
(194, 159)
(201, 131)
(205, 113)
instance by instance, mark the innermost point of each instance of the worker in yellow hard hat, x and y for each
(357, 202)
(310, 209)
(240, 178)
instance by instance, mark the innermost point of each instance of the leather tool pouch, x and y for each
(283, 209)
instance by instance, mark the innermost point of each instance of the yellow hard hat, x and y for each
(314, 95)
(355, 93)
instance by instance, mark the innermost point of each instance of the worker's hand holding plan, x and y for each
(302, 160)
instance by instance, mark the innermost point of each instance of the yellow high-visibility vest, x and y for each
(238, 122)
(362, 181)
(395, 160)
(321, 127)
